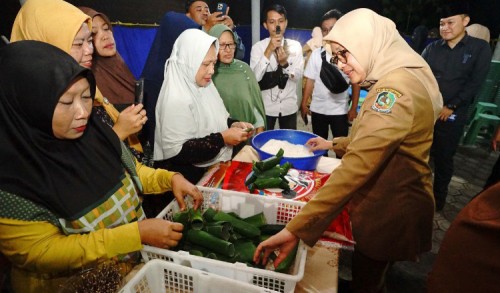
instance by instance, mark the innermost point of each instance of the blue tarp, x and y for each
(134, 43)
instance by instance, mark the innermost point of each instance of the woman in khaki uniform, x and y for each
(384, 177)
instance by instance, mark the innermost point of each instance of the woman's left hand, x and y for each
(181, 186)
(284, 240)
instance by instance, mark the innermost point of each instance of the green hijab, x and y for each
(238, 87)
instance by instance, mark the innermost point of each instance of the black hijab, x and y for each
(69, 177)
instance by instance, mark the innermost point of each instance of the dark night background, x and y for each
(303, 14)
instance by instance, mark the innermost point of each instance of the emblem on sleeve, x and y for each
(386, 98)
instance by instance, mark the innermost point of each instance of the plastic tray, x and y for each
(162, 276)
(276, 211)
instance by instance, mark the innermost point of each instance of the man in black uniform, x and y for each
(460, 64)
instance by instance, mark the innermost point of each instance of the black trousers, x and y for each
(321, 124)
(447, 136)
(368, 275)
(285, 122)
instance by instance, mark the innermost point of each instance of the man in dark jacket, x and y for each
(460, 64)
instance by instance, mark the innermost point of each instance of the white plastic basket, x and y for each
(276, 211)
(161, 276)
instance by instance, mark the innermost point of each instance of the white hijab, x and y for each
(185, 110)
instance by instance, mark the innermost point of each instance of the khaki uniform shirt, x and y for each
(384, 176)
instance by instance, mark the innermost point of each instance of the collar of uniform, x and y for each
(463, 41)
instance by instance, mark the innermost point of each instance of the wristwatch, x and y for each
(451, 106)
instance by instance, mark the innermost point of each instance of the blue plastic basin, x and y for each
(292, 136)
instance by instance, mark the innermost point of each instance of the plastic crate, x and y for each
(162, 276)
(276, 211)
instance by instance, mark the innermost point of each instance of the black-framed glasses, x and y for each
(224, 47)
(339, 56)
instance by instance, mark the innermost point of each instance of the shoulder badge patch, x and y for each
(386, 98)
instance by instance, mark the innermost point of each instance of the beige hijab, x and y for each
(317, 39)
(57, 22)
(478, 31)
(379, 48)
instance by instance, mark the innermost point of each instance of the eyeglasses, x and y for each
(339, 56)
(224, 47)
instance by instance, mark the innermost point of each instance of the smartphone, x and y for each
(139, 91)
(278, 29)
(221, 7)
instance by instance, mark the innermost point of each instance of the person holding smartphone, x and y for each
(221, 16)
(278, 65)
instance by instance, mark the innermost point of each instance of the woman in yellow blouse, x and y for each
(68, 194)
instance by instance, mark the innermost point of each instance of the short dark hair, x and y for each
(334, 13)
(275, 7)
(190, 2)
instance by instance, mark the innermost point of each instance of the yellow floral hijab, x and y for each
(57, 22)
(379, 48)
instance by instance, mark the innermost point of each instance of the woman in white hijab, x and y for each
(384, 177)
(193, 129)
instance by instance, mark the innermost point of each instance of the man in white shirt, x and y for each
(328, 110)
(278, 65)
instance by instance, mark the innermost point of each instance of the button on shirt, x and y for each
(323, 100)
(459, 71)
(277, 101)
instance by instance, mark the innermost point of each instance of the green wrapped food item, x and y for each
(209, 214)
(245, 250)
(270, 162)
(220, 229)
(202, 238)
(264, 183)
(271, 229)
(258, 220)
(285, 265)
(239, 226)
(196, 219)
(182, 217)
